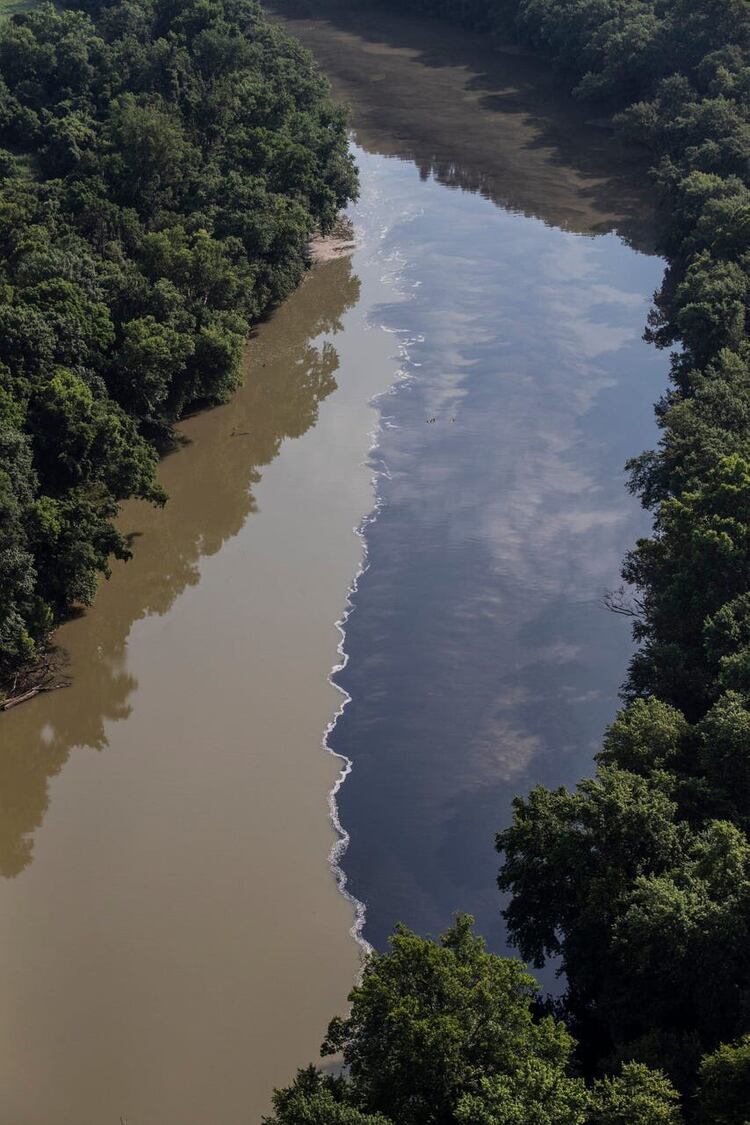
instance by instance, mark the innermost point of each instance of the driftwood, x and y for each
(16, 699)
(6, 704)
(35, 679)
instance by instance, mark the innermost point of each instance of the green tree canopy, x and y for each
(446, 1033)
(724, 1090)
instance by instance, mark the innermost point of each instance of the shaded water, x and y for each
(171, 940)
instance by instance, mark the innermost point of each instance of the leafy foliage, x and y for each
(724, 1093)
(448, 1034)
(316, 1099)
(637, 1096)
(430, 1021)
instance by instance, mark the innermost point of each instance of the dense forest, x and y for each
(636, 885)
(163, 164)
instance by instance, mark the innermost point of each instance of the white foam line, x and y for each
(339, 848)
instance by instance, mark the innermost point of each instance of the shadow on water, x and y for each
(210, 484)
(475, 115)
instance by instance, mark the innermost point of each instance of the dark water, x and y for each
(481, 659)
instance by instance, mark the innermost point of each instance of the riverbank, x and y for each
(475, 115)
(340, 242)
(183, 241)
(49, 672)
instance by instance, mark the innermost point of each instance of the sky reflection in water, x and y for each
(481, 659)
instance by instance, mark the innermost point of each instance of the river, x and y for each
(173, 941)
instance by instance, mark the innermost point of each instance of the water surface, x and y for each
(480, 657)
(172, 941)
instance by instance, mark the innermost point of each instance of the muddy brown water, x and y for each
(172, 941)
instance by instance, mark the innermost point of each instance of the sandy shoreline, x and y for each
(328, 247)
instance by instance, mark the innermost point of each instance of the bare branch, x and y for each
(624, 602)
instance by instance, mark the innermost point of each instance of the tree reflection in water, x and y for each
(210, 483)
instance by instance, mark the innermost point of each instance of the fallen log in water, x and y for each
(6, 704)
(16, 699)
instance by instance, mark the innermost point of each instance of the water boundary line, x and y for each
(341, 844)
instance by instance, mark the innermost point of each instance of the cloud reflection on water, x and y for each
(481, 659)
